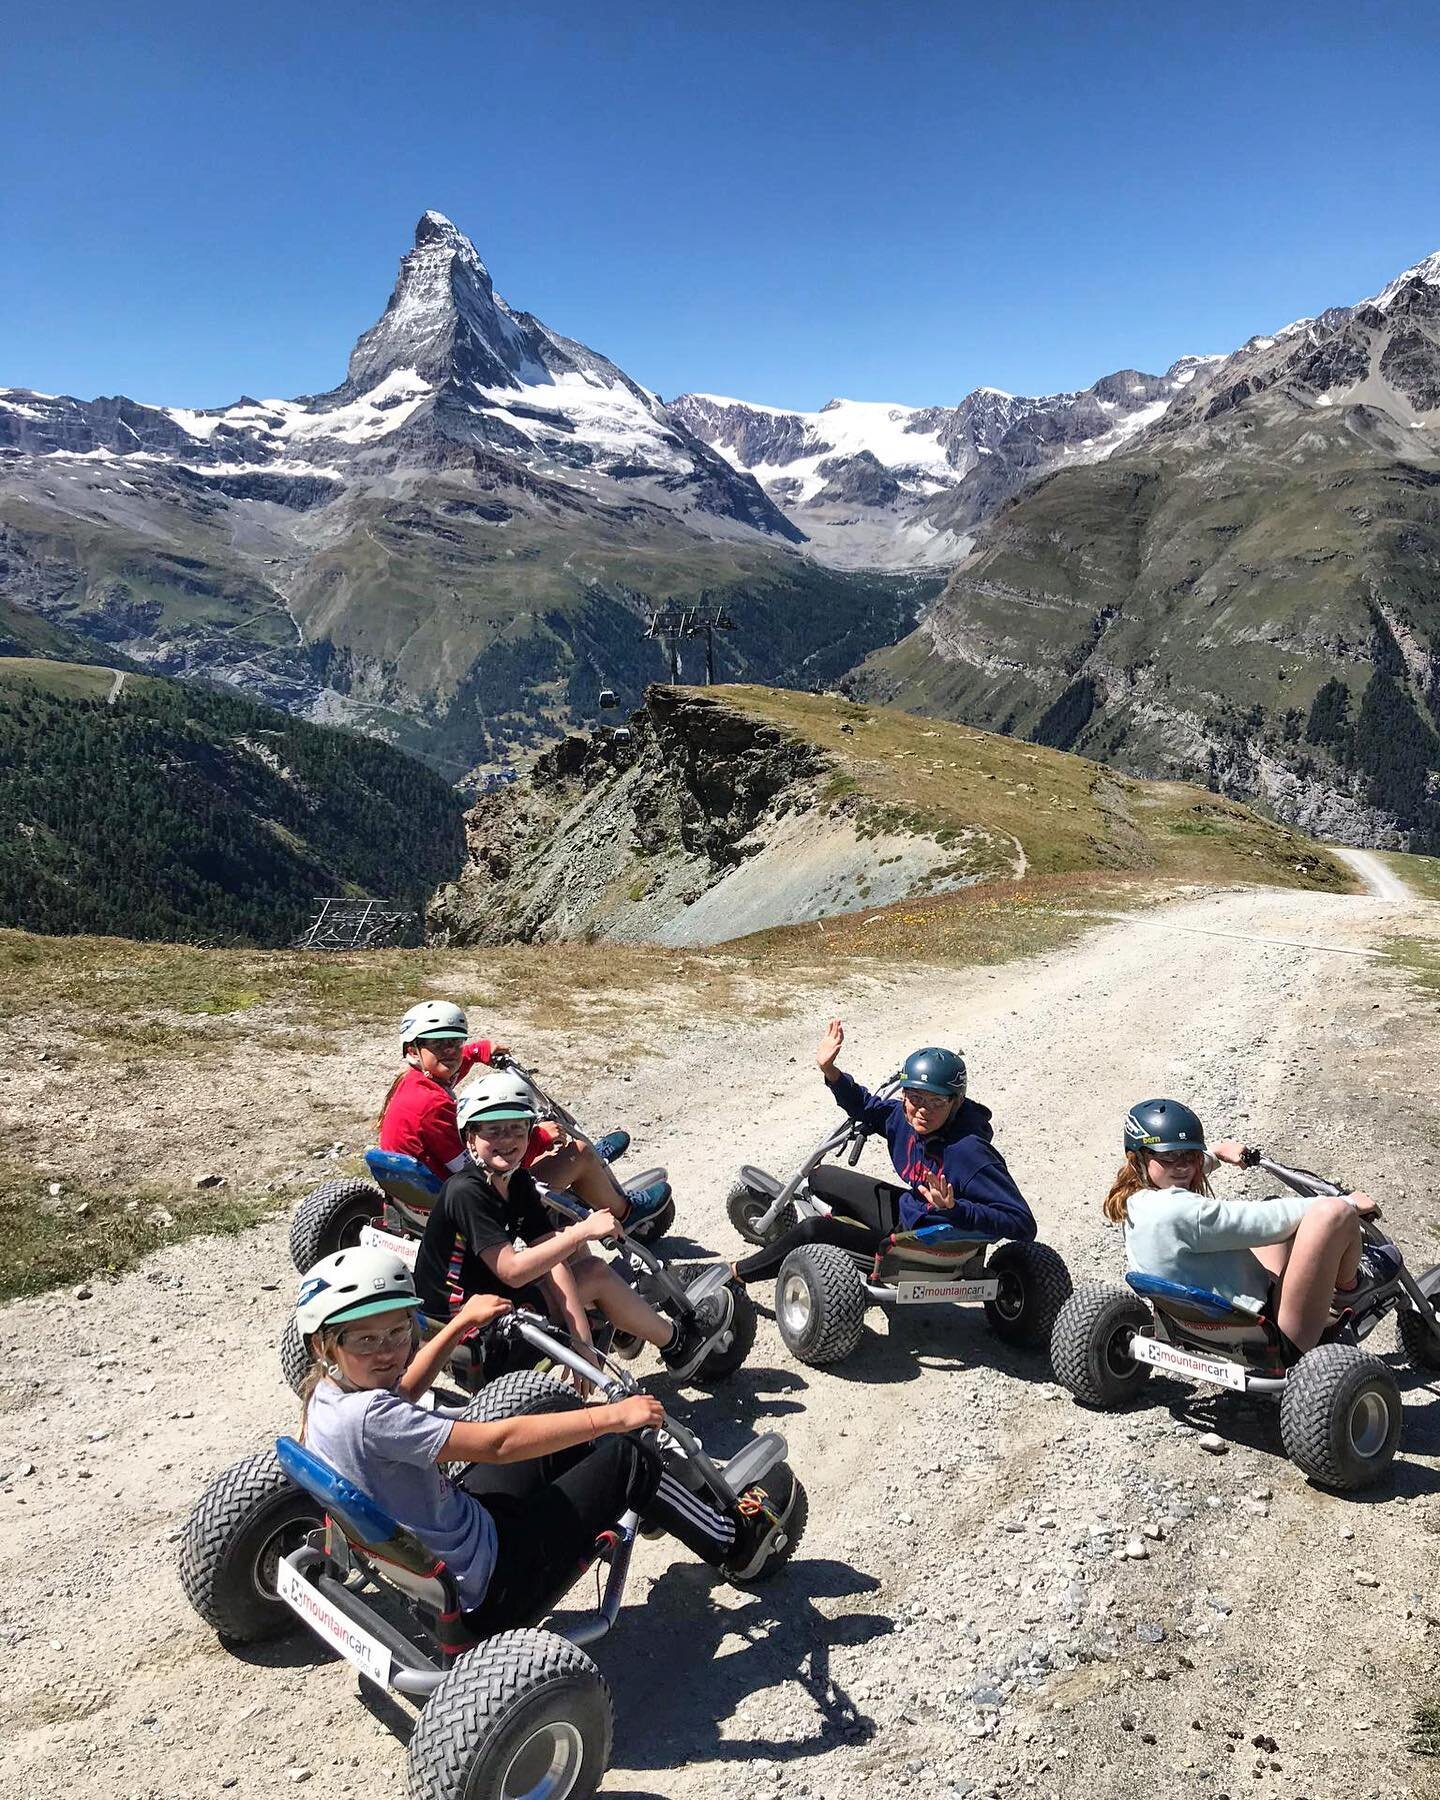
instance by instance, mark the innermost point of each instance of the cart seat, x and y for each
(364, 1521)
(1194, 1304)
(402, 1179)
(940, 1250)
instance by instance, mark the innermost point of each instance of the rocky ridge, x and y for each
(695, 823)
(904, 486)
(1245, 595)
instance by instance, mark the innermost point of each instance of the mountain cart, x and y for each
(1340, 1408)
(822, 1290)
(282, 1539)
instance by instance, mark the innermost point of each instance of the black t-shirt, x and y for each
(470, 1217)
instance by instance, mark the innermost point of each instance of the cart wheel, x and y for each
(819, 1304)
(294, 1357)
(1340, 1416)
(1034, 1285)
(745, 1204)
(1420, 1338)
(331, 1219)
(1090, 1345)
(725, 1359)
(246, 1520)
(524, 1716)
(518, 1395)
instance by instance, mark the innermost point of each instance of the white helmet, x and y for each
(431, 1018)
(352, 1284)
(502, 1094)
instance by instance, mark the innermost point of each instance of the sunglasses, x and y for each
(446, 1049)
(371, 1343)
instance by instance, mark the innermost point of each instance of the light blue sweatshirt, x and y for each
(1206, 1242)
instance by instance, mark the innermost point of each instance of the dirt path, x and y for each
(1379, 877)
(963, 1619)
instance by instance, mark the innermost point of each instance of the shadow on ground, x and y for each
(684, 1662)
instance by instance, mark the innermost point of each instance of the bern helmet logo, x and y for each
(316, 1284)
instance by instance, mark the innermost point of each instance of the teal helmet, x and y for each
(935, 1071)
(1163, 1125)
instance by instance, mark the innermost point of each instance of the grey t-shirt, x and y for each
(388, 1446)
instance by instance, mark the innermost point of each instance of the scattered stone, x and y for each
(1212, 1442)
(1363, 1578)
(84, 1293)
(1149, 1632)
(56, 1190)
(213, 1180)
(1136, 1549)
(1262, 1493)
(1154, 1531)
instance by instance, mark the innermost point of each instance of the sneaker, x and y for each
(695, 1337)
(651, 1212)
(1379, 1265)
(763, 1540)
(612, 1146)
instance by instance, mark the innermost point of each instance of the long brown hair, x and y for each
(389, 1096)
(1130, 1177)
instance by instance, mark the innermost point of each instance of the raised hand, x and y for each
(936, 1191)
(830, 1047)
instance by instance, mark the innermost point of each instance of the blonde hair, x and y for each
(323, 1345)
(1130, 1178)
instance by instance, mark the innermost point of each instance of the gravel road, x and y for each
(999, 1593)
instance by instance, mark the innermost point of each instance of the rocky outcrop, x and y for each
(694, 823)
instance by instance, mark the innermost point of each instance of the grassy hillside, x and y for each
(179, 812)
(462, 616)
(1066, 813)
(1251, 597)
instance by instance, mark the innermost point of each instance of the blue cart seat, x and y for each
(364, 1522)
(1186, 1302)
(403, 1179)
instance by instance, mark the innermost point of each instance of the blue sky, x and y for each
(781, 201)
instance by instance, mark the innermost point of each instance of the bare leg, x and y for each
(582, 1170)
(600, 1286)
(1324, 1254)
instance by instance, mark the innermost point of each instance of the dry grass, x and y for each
(1068, 813)
(1421, 872)
(50, 1240)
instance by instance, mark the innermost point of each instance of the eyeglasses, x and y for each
(371, 1343)
(445, 1049)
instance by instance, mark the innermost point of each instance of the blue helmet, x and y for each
(935, 1071)
(1163, 1125)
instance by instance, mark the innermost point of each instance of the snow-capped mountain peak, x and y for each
(1426, 273)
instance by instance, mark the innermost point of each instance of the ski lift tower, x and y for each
(668, 625)
(705, 622)
(672, 623)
